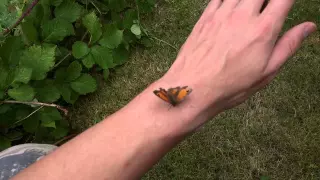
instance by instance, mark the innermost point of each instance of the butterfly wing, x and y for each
(174, 95)
(178, 94)
(162, 94)
(183, 93)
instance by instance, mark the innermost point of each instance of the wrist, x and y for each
(183, 118)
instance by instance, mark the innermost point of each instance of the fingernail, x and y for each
(308, 30)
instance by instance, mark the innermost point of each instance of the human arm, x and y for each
(227, 58)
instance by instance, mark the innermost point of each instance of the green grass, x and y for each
(275, 134)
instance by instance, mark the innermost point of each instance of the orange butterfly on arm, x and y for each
(173, 95)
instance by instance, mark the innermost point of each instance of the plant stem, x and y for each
(138, 11)
(33, 112)
(160, 40)
(64, 58)
(25, 14)
(37, 103)
(96, 7)
(165, 42)
(84, 35)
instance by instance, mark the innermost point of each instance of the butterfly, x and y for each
(173, 95)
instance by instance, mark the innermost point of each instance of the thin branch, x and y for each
(84, 36)
(138, 12)
(96, 7)
(27, 140)
(89, 43)
(37, 103)
(63, 139)
(64, 58)
(160, 40)
(33, 112)
(25, 14)
(165, 42)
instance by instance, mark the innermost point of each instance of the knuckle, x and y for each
(265, 31)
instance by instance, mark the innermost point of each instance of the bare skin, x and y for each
(232, 52)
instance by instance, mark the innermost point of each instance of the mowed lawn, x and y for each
(274, 135)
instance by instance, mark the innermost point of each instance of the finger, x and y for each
(212, 7)
(264, 5)
(264, 82)
(278, 10)
(251, 6)
(226, 9)
(210, 11)
(288, 45)
(229, 4)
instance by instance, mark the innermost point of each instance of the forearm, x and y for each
(123, 146)
(230, 54)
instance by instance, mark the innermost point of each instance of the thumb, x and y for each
(288, 44)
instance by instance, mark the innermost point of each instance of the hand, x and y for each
(233, 51)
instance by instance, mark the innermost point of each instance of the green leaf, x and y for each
(48, 123)
(129, 17)
(117, 5)
(68, 10)
(60, 74)
(116, 18)
(129, 37)
(37, 15)
(42, 134)
(61, 52)
(56, 30)
(135, 29)
(4, 143)
(3, 74)
(88, 61)
(7, 118)
(40, 60)
(112, 37)
(91, 22)
(10, 77)
(120, 55)
(106, 74)
(46, 13)
(48, 116)
(65, 91)
(21, 112)
(84, 84)
(46, 91)
(146, 6)
(30, 33)
(102, 56)
(2, 94)
(8, 14)
(22, 93)
(74, 97)
(10, 51)
(59, 132)
(73, 71)
(31, 124)
(5, 108)
(80, 49)
(55, 2)
(23, 75)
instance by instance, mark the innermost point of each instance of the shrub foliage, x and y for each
(48, 51)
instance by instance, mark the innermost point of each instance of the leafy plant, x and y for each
(48, 51)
